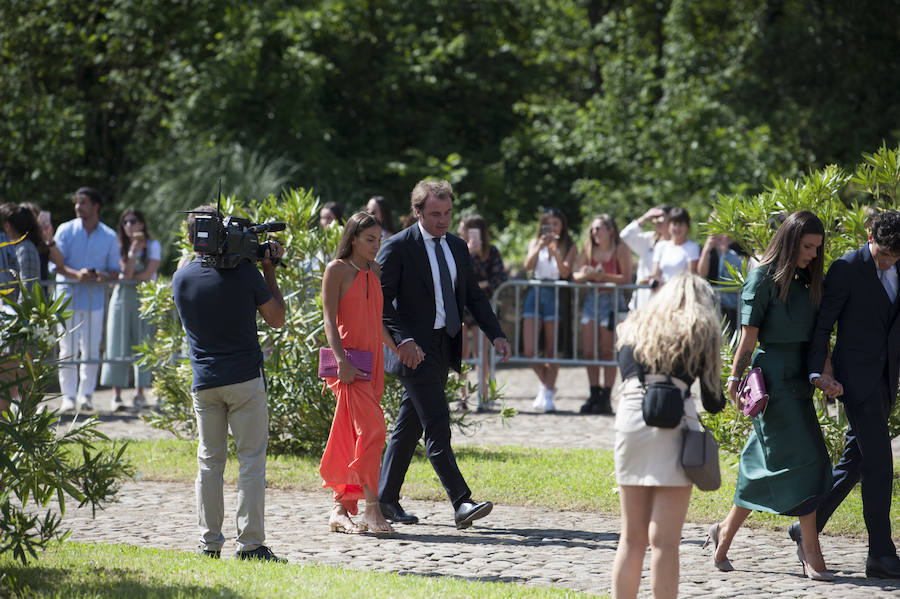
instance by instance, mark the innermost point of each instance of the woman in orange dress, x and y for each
(352, 303)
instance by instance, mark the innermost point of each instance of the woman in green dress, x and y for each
(784, 467)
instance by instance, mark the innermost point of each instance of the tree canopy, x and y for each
(592, 105)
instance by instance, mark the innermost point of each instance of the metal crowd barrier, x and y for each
(579, 291)
(53, 288)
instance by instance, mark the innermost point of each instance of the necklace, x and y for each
(353, 264)
(368, 268)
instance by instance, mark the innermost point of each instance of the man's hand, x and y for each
(274, 252)
(411, 355)
(90, 275)
(828, 385)
(501, 345)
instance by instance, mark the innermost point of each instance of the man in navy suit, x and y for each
(861, 297)
(427, 278)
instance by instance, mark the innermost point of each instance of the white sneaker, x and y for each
(547, 404)
(139, 402)
(117, 404)
(66, 405)
(538, 403)
(85, 404)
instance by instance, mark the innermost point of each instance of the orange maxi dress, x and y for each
(352, 456)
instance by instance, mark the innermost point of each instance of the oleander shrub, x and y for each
(43, 463)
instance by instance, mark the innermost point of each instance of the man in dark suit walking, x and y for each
(427, 279)
(861, 297)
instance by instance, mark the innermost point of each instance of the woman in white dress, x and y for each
(677, 334)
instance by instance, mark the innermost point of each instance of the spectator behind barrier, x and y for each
(17, 221)
(380, 208)
(551, 255)
(678, 254)
(139, 261)
(90, 254)
(604, 259)
(489, 273)
(643, 243)
(330, 213)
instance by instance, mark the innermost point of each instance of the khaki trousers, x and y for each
(241, 406)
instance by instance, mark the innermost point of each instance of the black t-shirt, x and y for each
(218, 312)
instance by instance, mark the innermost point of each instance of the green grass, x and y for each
(70, 570)
(571, 479)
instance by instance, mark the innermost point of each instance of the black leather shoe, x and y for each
(886, 566)
(261, 553)
(469, 511)
(394, 512)
(794, 532)
(214, 554)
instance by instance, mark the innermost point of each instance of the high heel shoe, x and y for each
(713, 535)
(808, 571)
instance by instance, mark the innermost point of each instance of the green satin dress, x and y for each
(784, 467)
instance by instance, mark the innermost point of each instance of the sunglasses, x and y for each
(130, 221)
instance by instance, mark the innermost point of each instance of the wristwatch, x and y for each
(734, 378)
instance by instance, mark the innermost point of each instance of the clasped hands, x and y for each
(828, 385)
(411, 355)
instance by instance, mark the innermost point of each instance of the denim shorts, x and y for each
(546, 304)
(598, 307)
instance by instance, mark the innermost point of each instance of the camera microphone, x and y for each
(267, 227)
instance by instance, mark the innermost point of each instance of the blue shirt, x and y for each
(218, 312)
(98, 250)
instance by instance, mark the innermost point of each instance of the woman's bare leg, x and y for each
(636, 507)
(670, 505)
(728, 529)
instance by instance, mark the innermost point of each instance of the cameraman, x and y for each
(218, 311)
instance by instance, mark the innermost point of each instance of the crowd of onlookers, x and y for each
(85, 255)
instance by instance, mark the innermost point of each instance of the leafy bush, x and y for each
(38, 464)
(300, 408)
(840, 200)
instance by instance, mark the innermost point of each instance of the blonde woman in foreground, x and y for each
(677, 334)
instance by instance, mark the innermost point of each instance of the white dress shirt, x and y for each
(440, 315)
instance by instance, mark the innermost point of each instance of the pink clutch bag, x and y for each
(361, 359)
(753, 393)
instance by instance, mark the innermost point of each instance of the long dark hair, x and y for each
(23, 221)
(565, 240)
(387, 217)
(124, 241)
(781, 254)
(476, 221)
(356, 224)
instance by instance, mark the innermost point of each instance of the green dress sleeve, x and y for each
(756, 296)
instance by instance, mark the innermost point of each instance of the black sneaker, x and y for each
(262, 552)
(210, 553)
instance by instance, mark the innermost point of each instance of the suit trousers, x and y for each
(424, 409)
(242, 406)
(867, 458)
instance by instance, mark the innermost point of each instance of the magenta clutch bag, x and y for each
(753, 393)
(361, 359)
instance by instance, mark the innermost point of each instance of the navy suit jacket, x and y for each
(409, 301)
(868, 334)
